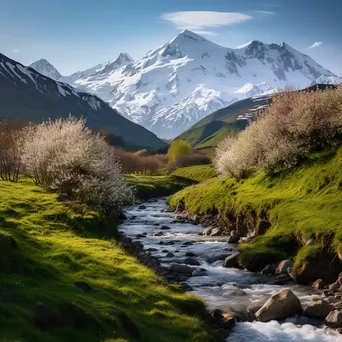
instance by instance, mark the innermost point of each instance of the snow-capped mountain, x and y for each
(46, 69)
(28, 95)
(177, 84)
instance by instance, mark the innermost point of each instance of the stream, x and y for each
(217, 283)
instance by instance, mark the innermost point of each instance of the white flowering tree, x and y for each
(66, 157)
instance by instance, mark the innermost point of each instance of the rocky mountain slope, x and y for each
(30, 96)
(174, 86)
(231, 119)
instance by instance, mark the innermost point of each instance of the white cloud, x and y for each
(15, 50)
(205, 33)
(198, 21)
(265, 12)
(315, 44)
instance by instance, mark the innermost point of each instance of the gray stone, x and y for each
(165, 228)
(334, 319)
(181, 268)
(142, 206)
(318, 308)
(216, 256)
(215, 232)
(191, 261)
(269, 269)
(283, 266)
(232, 260)
(207, 231)
(233, 239)
(169, 255)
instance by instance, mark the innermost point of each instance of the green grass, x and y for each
(304, 203)
(210, 133)
(155, 186)
(197, 173)
(58, 247)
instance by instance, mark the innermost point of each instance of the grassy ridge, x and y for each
(303, 203)
(55, 248)
(197, 173)
(155, 186)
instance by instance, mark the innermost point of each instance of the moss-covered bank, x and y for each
(302, 204)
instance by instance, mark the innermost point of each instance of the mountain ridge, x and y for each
(177, 84)
(30, 96)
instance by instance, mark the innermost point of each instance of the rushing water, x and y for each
(216, 285)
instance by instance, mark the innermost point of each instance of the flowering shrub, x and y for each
(11, 139)
(296, 124)
(66, 157)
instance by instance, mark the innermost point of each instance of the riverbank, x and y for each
(294, 215)
(193, 262)
(64, 277)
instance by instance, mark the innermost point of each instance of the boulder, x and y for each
(142, 206)
(334, 319)
(281, 305)
(165, 228)
(215, 232)
(169, 255)
(254, 307)
(232, 260)
(269, 269)
(323, 265)
(185, 286)
(187, 243)
(200, 272)
(233, 239)
(333, 287)
(137, 245)
(338, 305)
(190, 254)
(318, 308)
(283, 266)
(207, 231)
(191, 261)
(216, 256)
(238, 293)
(319, 284)
(229, 321)
(181, 268)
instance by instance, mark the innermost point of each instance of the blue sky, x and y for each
(76, 34)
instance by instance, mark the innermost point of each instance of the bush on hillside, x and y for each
(138, 163)
(296, 124)
(178, 148)
(11, 142)
(66, 157)
(189, 160)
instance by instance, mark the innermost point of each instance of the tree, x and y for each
(178, 148)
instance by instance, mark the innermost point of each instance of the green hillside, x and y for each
(61, 280)
(211, 129)
(302, 204)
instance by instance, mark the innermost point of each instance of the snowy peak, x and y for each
(46, 69)
(122, 60)
(175, 85)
